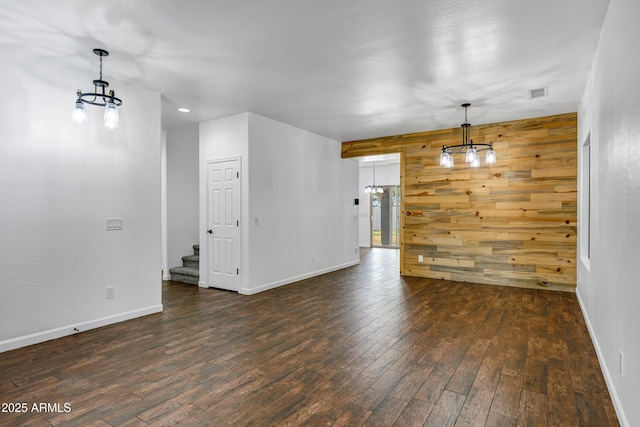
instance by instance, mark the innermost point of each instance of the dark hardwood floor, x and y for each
(361, 346)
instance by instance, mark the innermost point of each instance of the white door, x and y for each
(223, 220)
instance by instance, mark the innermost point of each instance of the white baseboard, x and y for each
(166, 277)
(272, 285)
(18, 342)
(202, 284)
(622, 419)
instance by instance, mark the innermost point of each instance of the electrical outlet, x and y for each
(111, 292)
(114, 224)
(420, 258)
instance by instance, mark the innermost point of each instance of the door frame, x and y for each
(204, 280)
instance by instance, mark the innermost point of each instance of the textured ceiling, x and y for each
(344, 69)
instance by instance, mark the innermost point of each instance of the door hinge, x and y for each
(237, 223)
(237, 174)
(237, 271)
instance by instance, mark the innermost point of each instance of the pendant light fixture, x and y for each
(373, 188)
(468, 148)
(98, 97)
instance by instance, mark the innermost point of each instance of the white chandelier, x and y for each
(98, 97)
(468, 148)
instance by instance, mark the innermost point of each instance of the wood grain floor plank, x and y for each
(387, 412)
(590, 408)
(506, 400)
(446, 411)
(359, 346)
(533, 409)
(352, 417)
(411, 382)
(476, 408)
(488, 374)
(414, 414)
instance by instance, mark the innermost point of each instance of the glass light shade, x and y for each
(446, 160)
(79, 114)
(367, 189)
(475, 162)
(449, 164)
(471, 155)
(491, 157)
(111, 115)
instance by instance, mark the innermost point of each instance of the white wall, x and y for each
(608, 285)
(299, 189)
(182, 150)
(386, 174)
(303, 194)
(222, 139)
(60, 181)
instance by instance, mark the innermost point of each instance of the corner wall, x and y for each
(298, 217)
(302, 217)
(608, 288)
(60, 182)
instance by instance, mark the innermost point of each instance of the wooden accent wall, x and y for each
(512, 223)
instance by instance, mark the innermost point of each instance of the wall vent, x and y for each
(538, 93)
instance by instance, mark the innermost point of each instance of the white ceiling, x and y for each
(345, 69)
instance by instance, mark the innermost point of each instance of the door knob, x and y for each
(210, 231)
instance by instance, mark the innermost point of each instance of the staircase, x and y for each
(190, 270)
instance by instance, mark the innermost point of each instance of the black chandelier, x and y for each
(98, 97)
(468, 147)
(375, 189)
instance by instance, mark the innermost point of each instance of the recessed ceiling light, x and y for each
(184, 110)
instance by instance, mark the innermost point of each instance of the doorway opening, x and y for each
(379, 211)
(385, 217)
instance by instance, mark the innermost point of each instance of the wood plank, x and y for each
(446, 410)
(532, 188)
(476, 409)
(414, 414)
(353, 347)
(533, 410)
(388, 411)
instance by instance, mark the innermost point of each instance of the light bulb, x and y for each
(491, 157)
(471, 155)
(476, 161)
(444, 158)
(79, 114)
(111, 115)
